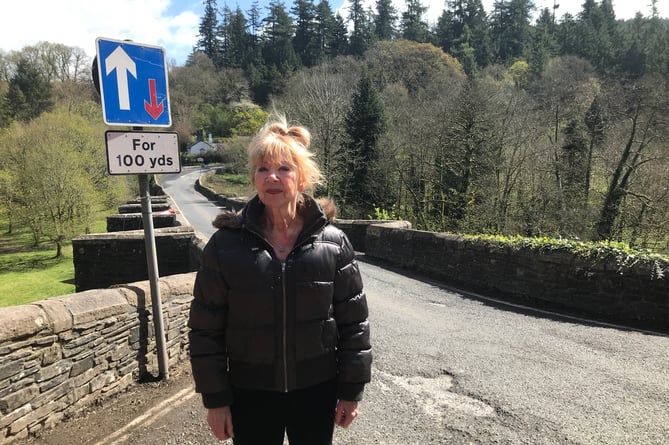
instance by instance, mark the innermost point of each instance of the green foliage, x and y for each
(235, 155)
(384, 214)
(520, 73)
(248, 120)
(622, 255)
(54, 175)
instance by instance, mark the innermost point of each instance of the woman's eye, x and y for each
(284, 168)
(262, 169)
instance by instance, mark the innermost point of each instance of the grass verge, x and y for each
(31, 273)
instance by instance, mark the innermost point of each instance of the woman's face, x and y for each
(277, 183)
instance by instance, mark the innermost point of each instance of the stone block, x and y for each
(12, 401)
(18, 322)
(94, 305)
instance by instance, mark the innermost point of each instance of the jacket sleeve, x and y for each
(207, 322)
(354, 350)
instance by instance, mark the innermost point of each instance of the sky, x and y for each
(173, 24)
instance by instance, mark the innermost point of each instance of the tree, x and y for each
(414, 65)
(208, 42)
(319, 98)
(329, 42)
(361, 33)
(364, 124)
(55, 161)
(564, 93)
(29, 93)
(543, 45)
(463, 31)
(385, 20)
(236, 51)
(645, 107)
(413, 27)
(306, 39)
(511, 28)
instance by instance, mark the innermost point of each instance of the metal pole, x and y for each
(152, 262)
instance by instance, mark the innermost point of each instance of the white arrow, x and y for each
(120, 61)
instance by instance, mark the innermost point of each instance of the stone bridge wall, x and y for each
(60, 355)
(630, 294)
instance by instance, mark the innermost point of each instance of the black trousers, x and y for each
(306, 416)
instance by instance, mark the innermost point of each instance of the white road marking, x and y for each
(153, 414)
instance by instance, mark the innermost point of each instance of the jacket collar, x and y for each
(310, 210)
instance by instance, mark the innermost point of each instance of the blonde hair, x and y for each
(277, 142)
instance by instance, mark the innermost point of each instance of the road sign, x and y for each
(135, 152)
(133, 83)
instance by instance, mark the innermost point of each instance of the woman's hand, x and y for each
(346, 412)
(220, 422)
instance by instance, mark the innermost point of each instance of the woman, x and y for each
(279, 339)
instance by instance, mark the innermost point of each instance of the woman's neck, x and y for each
(281, 220)
(282, 231)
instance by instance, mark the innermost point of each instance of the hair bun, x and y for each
(301, 135)
(278, 128)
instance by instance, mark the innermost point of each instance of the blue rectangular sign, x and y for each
(133, 83)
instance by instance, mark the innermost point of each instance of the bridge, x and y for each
(451, 367)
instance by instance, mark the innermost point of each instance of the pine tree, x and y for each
(365, 123)
(385, 20)
(511, 28)
(413, 27)
(543, 45)
(305, 41)
(237, 50)
(339, 44)
(278, 55)
(208, 41)
(29, 94)
(361, 34)
(452, 37)
(254, 30)
(331, 36)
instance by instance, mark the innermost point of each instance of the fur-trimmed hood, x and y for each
(234, 220)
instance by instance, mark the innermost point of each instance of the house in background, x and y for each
(200, 148)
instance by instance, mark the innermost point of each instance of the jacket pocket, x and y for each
(315, 339)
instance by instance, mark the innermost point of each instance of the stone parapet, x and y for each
(635, 295)
(60, 355)
(105, 259)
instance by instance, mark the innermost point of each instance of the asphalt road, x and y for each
(449, 368)
(197, 209)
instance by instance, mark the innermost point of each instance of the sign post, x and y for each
(134, 92)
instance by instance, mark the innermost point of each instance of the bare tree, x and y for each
(319, 99)
(637, 144)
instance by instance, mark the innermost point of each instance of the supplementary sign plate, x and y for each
(135, 152)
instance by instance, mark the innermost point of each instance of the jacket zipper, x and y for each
(285, 358)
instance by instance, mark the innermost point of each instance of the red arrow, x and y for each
(154, 109)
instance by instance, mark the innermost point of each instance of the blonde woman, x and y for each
(279, 336)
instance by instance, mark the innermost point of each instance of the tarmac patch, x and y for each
(434, 395)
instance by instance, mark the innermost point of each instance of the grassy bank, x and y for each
(30, 272)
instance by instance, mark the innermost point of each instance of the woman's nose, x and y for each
(273, 175)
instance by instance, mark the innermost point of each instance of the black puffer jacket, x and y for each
(258, 323)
